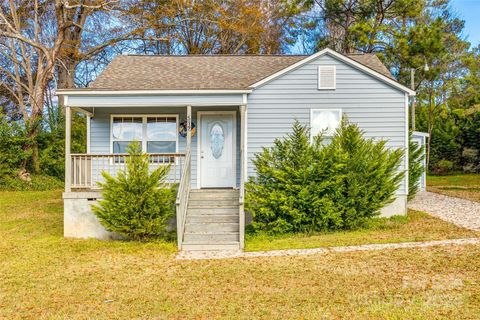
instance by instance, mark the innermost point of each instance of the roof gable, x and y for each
(370, 64)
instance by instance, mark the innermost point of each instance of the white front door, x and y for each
(217, 150)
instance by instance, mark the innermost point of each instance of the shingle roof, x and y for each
(373, 62)
(197, 72)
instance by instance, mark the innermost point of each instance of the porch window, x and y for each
(156, 133)
(125, 130)
(161, 134)
(325, 121)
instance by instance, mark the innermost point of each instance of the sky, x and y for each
(469, 10)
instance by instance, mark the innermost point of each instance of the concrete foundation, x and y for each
(397, 207)
(79, 221)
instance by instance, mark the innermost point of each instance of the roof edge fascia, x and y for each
(100, 92)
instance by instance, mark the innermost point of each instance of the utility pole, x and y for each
(412, 83)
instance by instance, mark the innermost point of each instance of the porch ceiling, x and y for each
(87, 102)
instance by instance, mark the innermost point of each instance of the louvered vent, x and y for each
(326, 77)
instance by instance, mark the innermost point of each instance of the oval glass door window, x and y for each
(217, 140)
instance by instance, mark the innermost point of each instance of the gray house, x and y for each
(207, 116)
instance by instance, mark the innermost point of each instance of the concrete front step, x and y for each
(225, 246)
(211, 237)
(211, 227)
(218, 218)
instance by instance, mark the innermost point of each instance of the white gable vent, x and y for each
(326, 77)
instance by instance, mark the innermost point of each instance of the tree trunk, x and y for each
(37, 100)
(66, 77)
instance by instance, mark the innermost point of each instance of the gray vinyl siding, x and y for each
(378, 108)
(100, 130)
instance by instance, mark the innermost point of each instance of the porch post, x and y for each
(68, 158)
(189, 128)
(89, 120)
(243, 111)
(243, 175)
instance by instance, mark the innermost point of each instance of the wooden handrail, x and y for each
(182, 198)
(241, 198)
(183, 181)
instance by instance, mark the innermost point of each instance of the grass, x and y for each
(44, 276)
(416, 226)
(465, 186)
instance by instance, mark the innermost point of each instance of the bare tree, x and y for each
(216, 27)
(31, 37)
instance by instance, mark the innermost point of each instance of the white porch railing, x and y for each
(86, 169)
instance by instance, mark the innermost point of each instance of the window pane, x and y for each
(161, 128)
(325, 121)
(217, 139)
(124, 128)
(120, 146)
(161, 146)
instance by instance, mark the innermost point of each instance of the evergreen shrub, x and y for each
(306, 186)
(136, 203)
(443, 167)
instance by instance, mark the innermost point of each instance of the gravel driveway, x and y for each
(461, 212)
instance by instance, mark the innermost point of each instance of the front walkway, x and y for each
(463, 213)
(198, 255)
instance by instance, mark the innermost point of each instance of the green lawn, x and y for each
(417, 226)
(466, 186)
(44, 276)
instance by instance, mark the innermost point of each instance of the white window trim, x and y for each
(312, 110)
(334, 78)
(144, 128)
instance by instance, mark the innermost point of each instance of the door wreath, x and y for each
(182, 129)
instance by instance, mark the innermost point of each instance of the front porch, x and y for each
(192, 158)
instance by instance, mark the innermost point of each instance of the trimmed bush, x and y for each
(443, 167)
(137, 204)
(304, 187)
(37, 182)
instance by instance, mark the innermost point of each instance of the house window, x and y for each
(156, 133)
(125, 130)
(326, 77)
(325, 121)
(161, 134)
